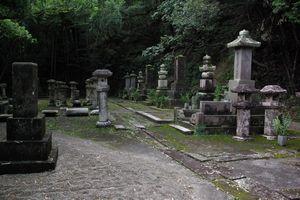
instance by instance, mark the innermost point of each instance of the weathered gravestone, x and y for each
(178, 87)
(75, 94)
(141, 86)
(162, 86)
(150, 77)
(88, 90)
(102, 89)
(127, 82)
(51, 92)
(243, 47)
(28, 148)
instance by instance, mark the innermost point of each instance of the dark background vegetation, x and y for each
(69, 39)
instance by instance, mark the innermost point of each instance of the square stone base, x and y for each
(17, 167)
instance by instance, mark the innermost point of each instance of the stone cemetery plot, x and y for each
(28, 146)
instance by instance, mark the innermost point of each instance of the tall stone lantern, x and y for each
(162, 79)
(102, 89)
(243, 47)
(243, 106)
(272, 106)
(51, 91)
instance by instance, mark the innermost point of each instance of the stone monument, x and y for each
(162, 87)
(141, 86)
(243, 106)
(27, 147)
(133, 77)
(94, 98)
(3, 91)
(127, 82)
(272, 106)
(51, 91)
(88, 89)
(102, 89)
(178, 87)
(243, 47)
(75, 96)
(150, 77)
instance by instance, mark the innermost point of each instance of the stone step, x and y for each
(182, 129)
(154, 118)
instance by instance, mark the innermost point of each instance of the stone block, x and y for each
(207, 85)
(26, 128)
(25, 89)
(215, 107)
(27, 150)
(213, 120)
(73, 112)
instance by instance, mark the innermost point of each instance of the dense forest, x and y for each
(69, 39)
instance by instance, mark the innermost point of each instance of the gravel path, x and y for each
(92, 170)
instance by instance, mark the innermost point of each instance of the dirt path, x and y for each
(90, 170)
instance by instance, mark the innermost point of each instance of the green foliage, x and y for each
(186, 98)
(152, 96)
(162, 101)
(289, 10)
(281, 124)
(135, 95)
(219, 91)
(200, 129)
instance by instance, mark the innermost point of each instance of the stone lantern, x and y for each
(94, 98)
(272, 106)
(127, 82)
(3, 90)
(243, 47)
(133, 77)
(141, 85)
(243, 106)
(207, 81)
(75, 95)
(102, 89)
(63, 93)
(162, 79)
(51, 91)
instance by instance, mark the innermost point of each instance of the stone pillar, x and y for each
(243, 106)
(103, 88)
(75, 96)
(141, 85)
(94, 98)
(73, 87)
(63, 94)
(178, 87)
(51, 92)
(28, 148)
(272, 106)
(133, 77)
(127, 82)
(150, 78)
(88, 89)
(162, 80)
(3, 91)
(243, 47)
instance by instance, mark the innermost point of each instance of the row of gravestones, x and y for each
(234, 113)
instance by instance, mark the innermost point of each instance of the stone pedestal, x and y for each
(102, 89)
(272, 106)
(28, 147)
(51, 92)
(243, 106)
(243, 46)
(162, 86)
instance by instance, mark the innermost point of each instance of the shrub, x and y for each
(200, 129)
(281, 124)
(135, 95)
(185, 98)
(152, 96)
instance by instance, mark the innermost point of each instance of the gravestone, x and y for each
(133, 79)
(162, 86)
(94, 98)
(150, 77)
(51, 92)
(243, 47)
(28, 148)
(88, 89)
(127, 82)
(3, 91)
(141, 86)
(102, 89)
(178, 87)
(75, 94)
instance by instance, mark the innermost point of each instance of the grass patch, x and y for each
(234, 190)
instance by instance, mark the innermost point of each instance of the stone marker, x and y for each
(94, 96)
(77, 112)
(178, 87)
(271, 105)
(243, 106)
(150, 77)
(27, 148)
(3, 91)
(88, 89)
(243, 47)
(75, 96)
(102, 89)
(127, 82)
(141, 86)
(133, 80)
(51, 91)
(162, 80)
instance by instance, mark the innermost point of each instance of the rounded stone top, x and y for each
(206, 57)
(102, 73)
(126, 75)
(244, 89)
(73, 83)
(273, 89)
(133, 74)
(244, 40)
(51, 81)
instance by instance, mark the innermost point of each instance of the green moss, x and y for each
(234, 190)
(42, 105)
